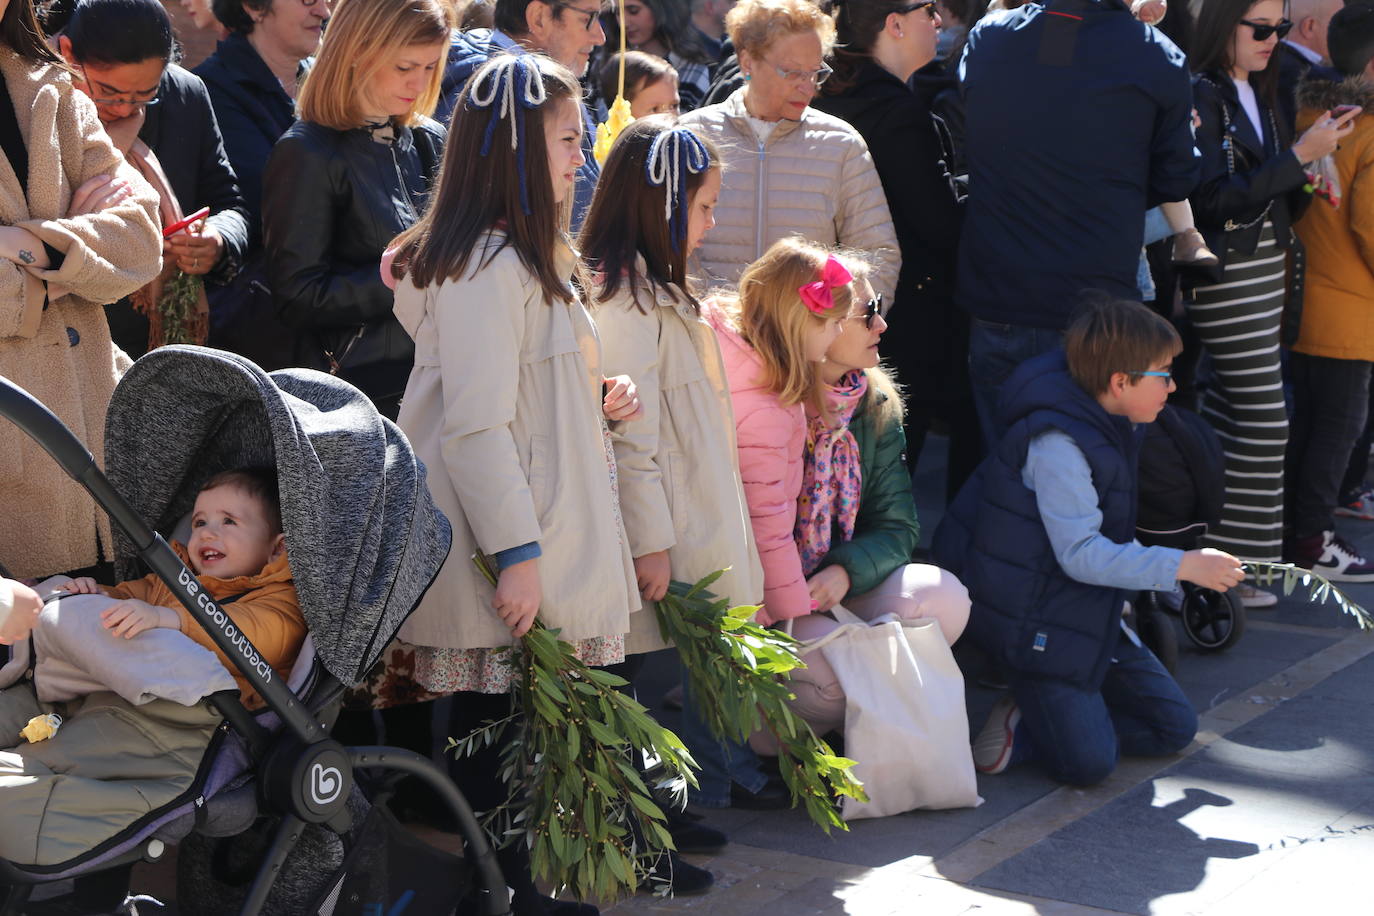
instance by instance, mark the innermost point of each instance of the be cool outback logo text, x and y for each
(221, 619)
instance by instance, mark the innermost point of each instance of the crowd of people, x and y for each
(1047, 220)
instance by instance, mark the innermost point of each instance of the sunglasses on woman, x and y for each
(871, 310)
(927, 5)
(1262, 31)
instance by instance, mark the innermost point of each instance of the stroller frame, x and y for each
(304, 775)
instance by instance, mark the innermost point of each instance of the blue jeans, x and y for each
(1078, 733)
(721, 762)
(994, 350)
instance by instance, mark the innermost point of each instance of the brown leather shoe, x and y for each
(1190, 250)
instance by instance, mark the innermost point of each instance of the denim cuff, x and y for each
(515, 555)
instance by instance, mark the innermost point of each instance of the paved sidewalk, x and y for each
(1270, 811)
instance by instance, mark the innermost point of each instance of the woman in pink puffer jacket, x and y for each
(772, 337)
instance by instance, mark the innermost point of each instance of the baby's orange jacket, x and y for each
(268, 613)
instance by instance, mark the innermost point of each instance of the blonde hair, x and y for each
(753, 25)
(772, 319)
(362, 35)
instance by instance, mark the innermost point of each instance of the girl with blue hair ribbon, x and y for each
(507, 407)
(680, 489)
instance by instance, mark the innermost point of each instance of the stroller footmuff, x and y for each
(1182, 488)
(364, 542)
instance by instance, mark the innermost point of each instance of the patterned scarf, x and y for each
(831, 478)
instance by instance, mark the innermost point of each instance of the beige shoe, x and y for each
(1254, 597)
(1190, 250)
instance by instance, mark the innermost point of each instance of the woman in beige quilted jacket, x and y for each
(78, 229)
(788, 168)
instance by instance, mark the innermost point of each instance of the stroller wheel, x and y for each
(1212, 620)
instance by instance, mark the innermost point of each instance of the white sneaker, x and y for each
(1338, 560)
(993, 746)
(1255, 597)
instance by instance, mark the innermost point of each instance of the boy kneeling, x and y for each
(1043, 536)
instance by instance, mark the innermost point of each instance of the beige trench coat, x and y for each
(62, 352)
(504, 407)
(680, 487)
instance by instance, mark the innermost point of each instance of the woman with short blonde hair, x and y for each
(789, 168)
(348, 177)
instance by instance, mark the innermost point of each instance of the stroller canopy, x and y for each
(362, 534)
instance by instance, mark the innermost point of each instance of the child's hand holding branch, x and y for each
(1214, 569)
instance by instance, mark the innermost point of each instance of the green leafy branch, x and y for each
(180, 296)
(737, 669)
(576, 798)
(1319, 588)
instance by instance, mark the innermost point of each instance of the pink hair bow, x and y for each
(818, 296)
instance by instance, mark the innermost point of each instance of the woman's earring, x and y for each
(748, 77)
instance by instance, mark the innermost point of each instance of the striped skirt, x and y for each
(1238, 322)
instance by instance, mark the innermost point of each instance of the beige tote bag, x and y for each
(905, 721)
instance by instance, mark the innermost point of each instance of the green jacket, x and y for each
(885, 531)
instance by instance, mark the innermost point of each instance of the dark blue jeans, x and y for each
(1078, 733)
(994, 350)
(721, 762)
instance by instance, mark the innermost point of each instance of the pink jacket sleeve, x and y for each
(771, 487)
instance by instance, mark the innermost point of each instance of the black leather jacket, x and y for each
(1262, 170)
(1262, 180)
(332, 202)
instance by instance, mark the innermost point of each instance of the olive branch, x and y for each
(177, 306)
(737, 671)
(1319, 588)
(574, 794)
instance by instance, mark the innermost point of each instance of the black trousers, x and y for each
(1358, 468)
(1330, 407)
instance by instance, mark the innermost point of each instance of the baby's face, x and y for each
(230, 534)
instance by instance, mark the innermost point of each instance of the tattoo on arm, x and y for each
(26, 256)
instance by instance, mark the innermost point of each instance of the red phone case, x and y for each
(182, 224)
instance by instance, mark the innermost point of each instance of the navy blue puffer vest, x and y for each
(1026, 611)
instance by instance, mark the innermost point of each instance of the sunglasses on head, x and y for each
(1262, 31)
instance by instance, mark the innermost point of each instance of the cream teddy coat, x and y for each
(60, 350)
(504, 408)
(680, 488)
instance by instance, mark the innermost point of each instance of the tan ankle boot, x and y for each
(1190, 250)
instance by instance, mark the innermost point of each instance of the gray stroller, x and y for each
(364, 543)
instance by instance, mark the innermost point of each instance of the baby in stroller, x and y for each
(117, 691)
(238, 552)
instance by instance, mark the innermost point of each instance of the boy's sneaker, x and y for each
(1333, 556)
(1253, 597)
(992, 749)
(1361, 505)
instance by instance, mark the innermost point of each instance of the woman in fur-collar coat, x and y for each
(65, 251)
